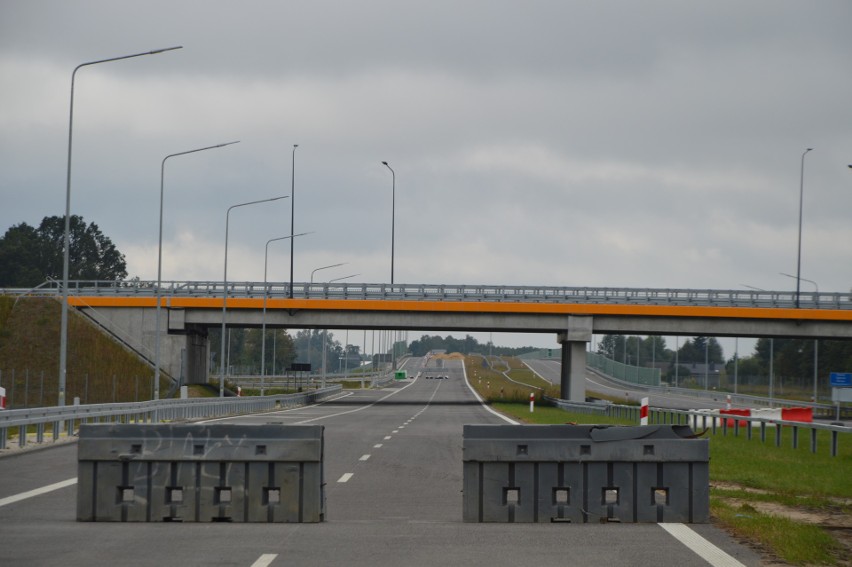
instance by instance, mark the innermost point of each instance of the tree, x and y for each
(20, 257)
(695, 350)
(610, 345)
(28, 256)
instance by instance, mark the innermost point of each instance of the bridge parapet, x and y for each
(459, 292)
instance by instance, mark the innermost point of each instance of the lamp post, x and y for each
(292, 215)
(325, 268)
(801, 195)
(160, 262)
(312, 281)
(393, 212)
(225, 290)
(816, 341)
(265, 294)
(63, 333)
(325, 333)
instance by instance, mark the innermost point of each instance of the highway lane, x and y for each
(393, 468)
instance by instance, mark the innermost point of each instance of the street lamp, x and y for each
(225, 290)
(160, 262)
(816, 341)
(292, 215)
(265, 294)
(801, 194)
(816, 287)
(325, 333)
(393, 211)
(63, 340)
(310, 336)
(325, 268)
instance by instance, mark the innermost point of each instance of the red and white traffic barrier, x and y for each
(2, 398)
(643, 412)
(532, 401)
(802, 415)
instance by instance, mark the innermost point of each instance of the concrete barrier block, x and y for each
(565, 473)
(200, 473)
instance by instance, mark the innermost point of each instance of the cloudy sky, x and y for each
(617, 143)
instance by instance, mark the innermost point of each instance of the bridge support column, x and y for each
(574, 341)
(196, 355)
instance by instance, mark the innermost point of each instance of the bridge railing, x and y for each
(447, 292)
(56, 421)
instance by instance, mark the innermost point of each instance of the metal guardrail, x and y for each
(255, 381)
(827, 411)
(712, 422)
(68, 418)
(448, 292)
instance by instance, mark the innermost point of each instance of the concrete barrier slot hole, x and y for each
(511, 495)
(271, 495)
(223, 495)
(175, 494)
(125, 494)
(610, 495)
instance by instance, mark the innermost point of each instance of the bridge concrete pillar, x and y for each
(574, 341)
(196, 355)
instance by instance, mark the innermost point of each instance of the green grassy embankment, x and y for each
(99, 370)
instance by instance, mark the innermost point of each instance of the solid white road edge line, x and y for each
(265, 560)
(703, 548)
(481, 401)
(37, 491)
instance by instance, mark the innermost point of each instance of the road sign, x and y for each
(841, 379)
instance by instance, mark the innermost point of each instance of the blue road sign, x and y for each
(841, 379)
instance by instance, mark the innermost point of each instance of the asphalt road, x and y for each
(393, 468)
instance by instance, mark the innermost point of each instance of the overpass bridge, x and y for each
(573, 314)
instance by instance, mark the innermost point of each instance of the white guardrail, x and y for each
(65, 420)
